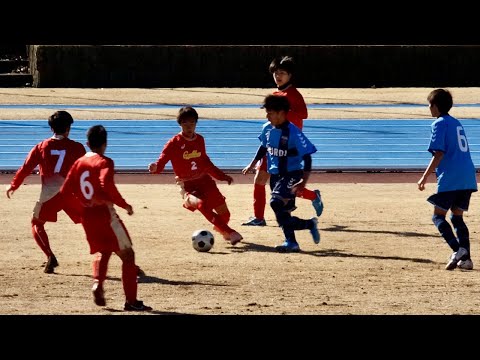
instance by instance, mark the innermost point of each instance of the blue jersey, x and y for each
(456, 170)
(286, 146)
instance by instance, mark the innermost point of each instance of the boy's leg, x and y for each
(315, 197)
(45, 210)
(219, 224)
(41, 237)
(445, 229)
(462, 232)
(129, 274)
(259, 195)
(100, 267)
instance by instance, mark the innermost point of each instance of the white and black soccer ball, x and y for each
(202, 240)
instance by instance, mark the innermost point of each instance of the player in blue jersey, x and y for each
(456, 178)
(289, 163)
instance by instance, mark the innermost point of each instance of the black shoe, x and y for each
(51, 264)
(136, 306)
(98, 294)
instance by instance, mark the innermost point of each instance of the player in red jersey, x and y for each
(194, 170)
(54, 157)
(282, 69)
(91, 182)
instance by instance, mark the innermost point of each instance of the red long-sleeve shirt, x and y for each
(189, 158)
(54, 156)
(91, 181)
(298, 109)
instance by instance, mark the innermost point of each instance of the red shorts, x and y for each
(105, 230)
(206, 189)
(48, 210)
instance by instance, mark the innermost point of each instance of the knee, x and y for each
(191, 202)
(276, 205)
(438, 219)
(128, 256)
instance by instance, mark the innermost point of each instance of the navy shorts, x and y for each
(281, 185)
(451, 199)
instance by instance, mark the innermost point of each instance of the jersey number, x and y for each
(194, 165)
(86, 186)
(462, 139)
(61, 157)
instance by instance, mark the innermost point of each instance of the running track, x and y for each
(343, 145)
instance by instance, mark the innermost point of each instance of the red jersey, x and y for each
(91, 181)
(189, 158)
(54, 156)
(298, 109)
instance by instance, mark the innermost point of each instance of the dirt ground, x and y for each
(379, 251)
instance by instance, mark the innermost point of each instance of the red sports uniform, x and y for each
(298, 109)
(298, 112)
(193, 168)
(54, 156)
(91, 181)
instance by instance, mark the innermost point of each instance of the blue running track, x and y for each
(343, 145)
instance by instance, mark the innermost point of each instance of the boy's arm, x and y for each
(436, 158)
(26, 169)
(261, 152)
(108, 185)
(215, 172)
(158, 166)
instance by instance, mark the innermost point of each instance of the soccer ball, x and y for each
(202, 240)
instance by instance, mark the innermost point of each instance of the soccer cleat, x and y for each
(465, 264)
(234, 237)
(51, 264)
(288, 246)
(455, 258)
(136, 306)
(314, 231)
(253, 221)
(98, 294)
(318, 203)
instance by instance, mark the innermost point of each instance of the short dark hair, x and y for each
(60, 121)
(285, 63)
(187, 112)
(442, 98)
(276, 103)
(96, 136)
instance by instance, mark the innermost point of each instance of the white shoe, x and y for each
(234, 237)
(455, 258)
(465, 264)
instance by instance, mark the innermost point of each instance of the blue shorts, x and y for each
(281, 185)
(451, 199)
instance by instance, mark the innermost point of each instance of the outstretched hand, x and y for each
(421, 183)
(152, 167)
(9, 191)
(247, 169)
(129, 209)
(228, 179)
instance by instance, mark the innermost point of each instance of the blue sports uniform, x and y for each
(456, 170)
(287, 148)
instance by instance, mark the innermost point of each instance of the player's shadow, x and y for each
(247, 246)
(155, 280)
(340, 254)
(344, 228)
(138, 313)
(110, 278)
(327, 252)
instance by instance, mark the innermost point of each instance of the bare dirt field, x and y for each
(379, 252)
